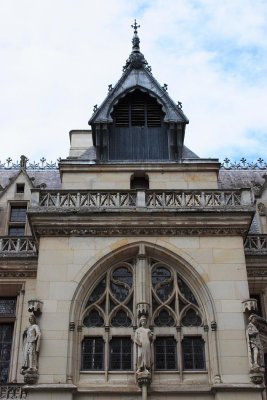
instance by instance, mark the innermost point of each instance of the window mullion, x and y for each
(106, 353)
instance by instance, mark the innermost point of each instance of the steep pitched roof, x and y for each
(137, 75)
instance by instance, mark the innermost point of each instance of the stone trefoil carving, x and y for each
(31, 347)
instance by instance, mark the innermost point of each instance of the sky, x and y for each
(57, 58)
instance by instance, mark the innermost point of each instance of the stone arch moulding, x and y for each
(189, 272)
(154, 95)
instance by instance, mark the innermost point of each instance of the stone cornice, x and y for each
(193, 165)
(137, 231)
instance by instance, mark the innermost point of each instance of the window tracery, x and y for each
(111, 315)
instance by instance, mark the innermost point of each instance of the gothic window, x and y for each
(17, 220)
(111, 314)
(7, 317)
(193, 353)
(165, 353)
(120, 354)
(92, 354)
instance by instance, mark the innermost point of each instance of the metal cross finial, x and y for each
(135, 26)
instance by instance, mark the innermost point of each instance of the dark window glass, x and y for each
(191, 318)
(165, 353)
(20, 188)
(120, 354)
(6, 334)
(121, 319)
(92, 354)
(193, 353)
(140, 182)
(185, 291)
(160, 274)
(93, 319)
(164, 291)
(8, 306)
(124, 275)
(97, 292)
(18, 214)
(119, 291)
(16, 231)
(164, 319)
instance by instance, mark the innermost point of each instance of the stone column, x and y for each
(142, 283)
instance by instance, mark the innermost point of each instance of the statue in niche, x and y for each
(31, 347)
(255, 350)
(143, 338)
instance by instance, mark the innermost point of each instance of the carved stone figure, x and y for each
(31, 346)
(143, 339)
(254, 344)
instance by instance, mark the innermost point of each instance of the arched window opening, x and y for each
(111, 314)
(139, 181)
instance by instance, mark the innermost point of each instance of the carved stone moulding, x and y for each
(35, 306)
(139, 231)
(142, 309)
(249, 306)
(31, 377)
(143, 378)
(17, 274)
(257, 378)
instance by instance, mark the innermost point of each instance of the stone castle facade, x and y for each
(141, 266)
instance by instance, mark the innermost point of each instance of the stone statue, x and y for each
(31, 346)
(254, 344)
(143, 338)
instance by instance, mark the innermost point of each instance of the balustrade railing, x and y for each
(256, 244)
(183, 199)
(151, 199)
(95, 199)
(12, 392)
(17, 245)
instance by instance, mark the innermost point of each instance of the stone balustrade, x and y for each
(256, 244)
(13, 391)
(150, 199)
(17, 246)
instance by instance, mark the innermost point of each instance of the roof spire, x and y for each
(136, 59)
(135, 40)
(135, 27)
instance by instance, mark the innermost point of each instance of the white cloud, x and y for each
(58, 57)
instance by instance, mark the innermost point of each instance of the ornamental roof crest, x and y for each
(137, 75)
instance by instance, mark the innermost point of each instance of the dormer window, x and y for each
(138, 109)
(20, 188)
(138, 131)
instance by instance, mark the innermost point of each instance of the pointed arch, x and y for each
(120, 332)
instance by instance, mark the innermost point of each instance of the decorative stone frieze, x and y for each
(136, 231)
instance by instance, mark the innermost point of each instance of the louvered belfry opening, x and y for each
(138, 131)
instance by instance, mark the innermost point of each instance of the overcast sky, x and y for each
(57, 58)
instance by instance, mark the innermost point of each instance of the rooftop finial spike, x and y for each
(136, 58)
(135, 40)
(135, 27)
